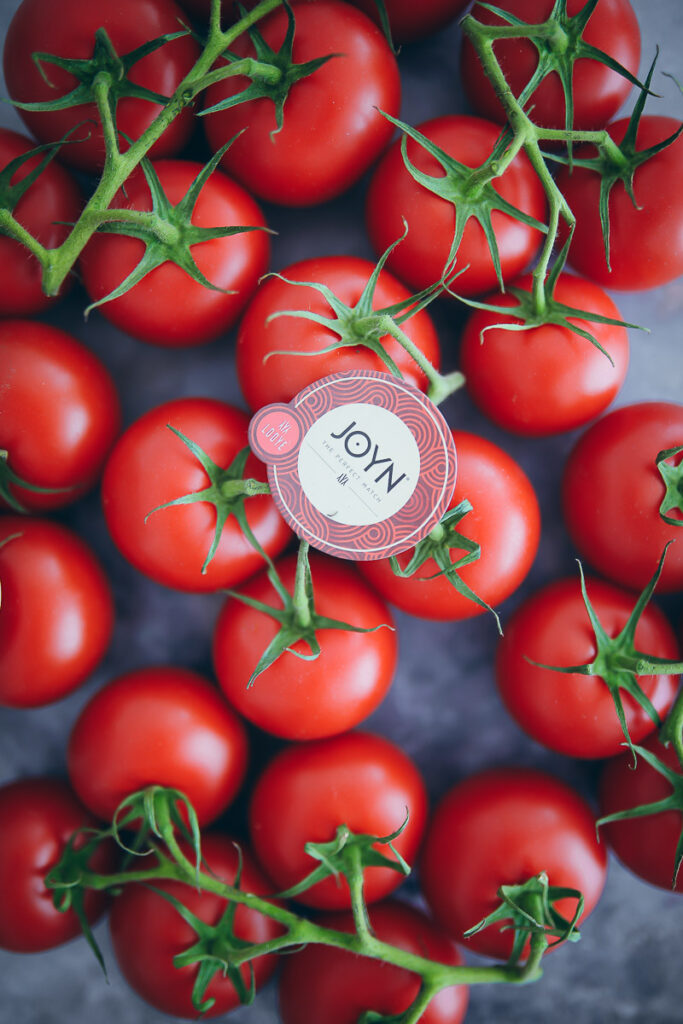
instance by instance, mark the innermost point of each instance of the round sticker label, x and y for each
(361, 464)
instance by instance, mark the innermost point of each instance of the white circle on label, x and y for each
(359, 464)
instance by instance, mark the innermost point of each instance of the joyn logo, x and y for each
(358, 445)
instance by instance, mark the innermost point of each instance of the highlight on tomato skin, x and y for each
(161, 726)
(307, 791)
(501, 827)
(323, 984)
(147, 932)
(38, 816)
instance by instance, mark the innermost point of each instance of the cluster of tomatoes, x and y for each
(60, 424)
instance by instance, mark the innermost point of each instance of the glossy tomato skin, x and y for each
(167, 307)
(647, 846)
(147, 932)
(575, 714)
(308, 790)
(503, 826)
(505, 521)
(598, 92)
(57, 612)
(162, 725)
(305, 700)
(332, 129)
(45, 210)
(280, 377)
(394, 196)
(409, 21)
(67, 29)
(547, 379)
(324, 984)
(611, 493)
(150, 465)
(59, 412)
(37, 818)
(656, 223)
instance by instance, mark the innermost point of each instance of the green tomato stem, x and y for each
(300, 597)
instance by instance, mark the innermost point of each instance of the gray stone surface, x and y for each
(443, 707)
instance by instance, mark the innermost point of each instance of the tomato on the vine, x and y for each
(501, 827)
(150, 465)
(332, 130)
(394, 196)
(646, 239)
(320, 983)
(647, 845)
(38, 816)
(575, 714)
(45, 210)
(268, 377)
(67, 30)
(59, 412)
(545, 379)
(597, 90)
(505, 521)
(148, 932)
(310, 789)
(612, 492)
(296, 698)
(56, 614)
(157, 726)
(168, 307)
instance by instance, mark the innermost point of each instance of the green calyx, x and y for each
(530, 908)
(469, 190)
(9, 479)
(166, 230)
(617, 661)
(437, 546)
(11, 193)
(298, 618)
(673, 802)
(363, 326)
(560, 43)
(619, 162)
(274, 72)
(672, 475)
(227, 491)
(105, 66)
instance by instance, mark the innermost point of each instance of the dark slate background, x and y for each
(443, 708)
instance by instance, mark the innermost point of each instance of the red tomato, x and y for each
(547, 379)
(150, 465)
(168, 307)
(598, 92)
(308, 790)
(147, 932)
(325, 984)
(44, 210)
(408, 20)
(59, 412)
(37, 818)
(647, 846)
(394, 196)
(505, 520)
(656, 222)
(304, 700)
(281, 377)
(67, 29)
(501, 827)
(157, 726)
(611, 478)
(332, 129)
(56, 613)
(575, 714)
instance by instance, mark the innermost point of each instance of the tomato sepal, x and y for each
(617, 662)
(9, 478)
(673, 481)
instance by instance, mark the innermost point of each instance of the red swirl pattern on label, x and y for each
(277, 433)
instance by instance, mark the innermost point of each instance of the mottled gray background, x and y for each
(443, 708)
